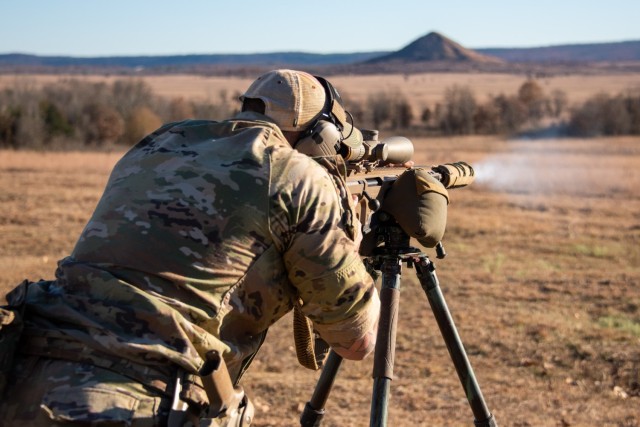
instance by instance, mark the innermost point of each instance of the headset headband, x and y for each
(333, 108)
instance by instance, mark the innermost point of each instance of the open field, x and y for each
(542, 279)
(421, 89)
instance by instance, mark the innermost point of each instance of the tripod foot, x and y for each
(311, 417)
(489, 422)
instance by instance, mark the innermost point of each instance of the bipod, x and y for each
(389, 259)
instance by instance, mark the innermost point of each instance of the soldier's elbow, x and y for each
(361, 348)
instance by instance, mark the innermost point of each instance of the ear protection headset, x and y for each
(325, 135)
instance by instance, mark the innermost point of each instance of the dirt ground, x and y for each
(542, 278)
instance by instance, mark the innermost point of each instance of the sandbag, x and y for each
(418, 202)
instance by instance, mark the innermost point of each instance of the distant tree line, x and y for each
(529, 110)
(72, 113)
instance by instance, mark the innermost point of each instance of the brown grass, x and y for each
(422, 89)
(542, 278)
(46, 200)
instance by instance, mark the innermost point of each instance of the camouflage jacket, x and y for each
(206, 234)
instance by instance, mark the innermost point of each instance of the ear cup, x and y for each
(323, 139)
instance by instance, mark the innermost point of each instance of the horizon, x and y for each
(307, 52)
(159, 28)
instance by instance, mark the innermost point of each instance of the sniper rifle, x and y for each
(374, 166)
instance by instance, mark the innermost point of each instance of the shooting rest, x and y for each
(388, 259)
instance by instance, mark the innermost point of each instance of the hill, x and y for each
(434, 47)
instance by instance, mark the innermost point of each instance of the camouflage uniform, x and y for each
(207, 233)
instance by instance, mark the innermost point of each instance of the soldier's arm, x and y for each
(320, 252)
(358, 348)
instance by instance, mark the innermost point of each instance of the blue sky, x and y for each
(145, 27)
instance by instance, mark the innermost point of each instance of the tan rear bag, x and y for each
(418, 202)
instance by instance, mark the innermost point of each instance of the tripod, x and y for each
(388, 258)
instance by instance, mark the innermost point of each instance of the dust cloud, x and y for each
(517, 172)
(545, 167)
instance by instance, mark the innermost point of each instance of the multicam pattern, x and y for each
(50, 392)
(205, 236)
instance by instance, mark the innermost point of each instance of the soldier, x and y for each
(207, 233)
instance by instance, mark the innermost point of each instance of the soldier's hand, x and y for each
(407, 164)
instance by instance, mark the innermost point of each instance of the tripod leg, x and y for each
(386, 340)
(314, 409)
(429, 281)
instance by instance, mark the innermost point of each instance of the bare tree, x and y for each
(180, 109)
(402, 114)
(129, 95)
(140, 122)
(104, 124)
(380, 108)
(511, 111)
(532, 97)
(558, 103)
(456, 115)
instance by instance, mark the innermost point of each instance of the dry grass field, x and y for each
(421, 89)
(542, 279)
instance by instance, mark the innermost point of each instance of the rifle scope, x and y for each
(394, 150)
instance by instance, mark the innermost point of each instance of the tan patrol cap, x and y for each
(293, 99)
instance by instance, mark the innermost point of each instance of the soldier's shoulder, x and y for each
(283, 155)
